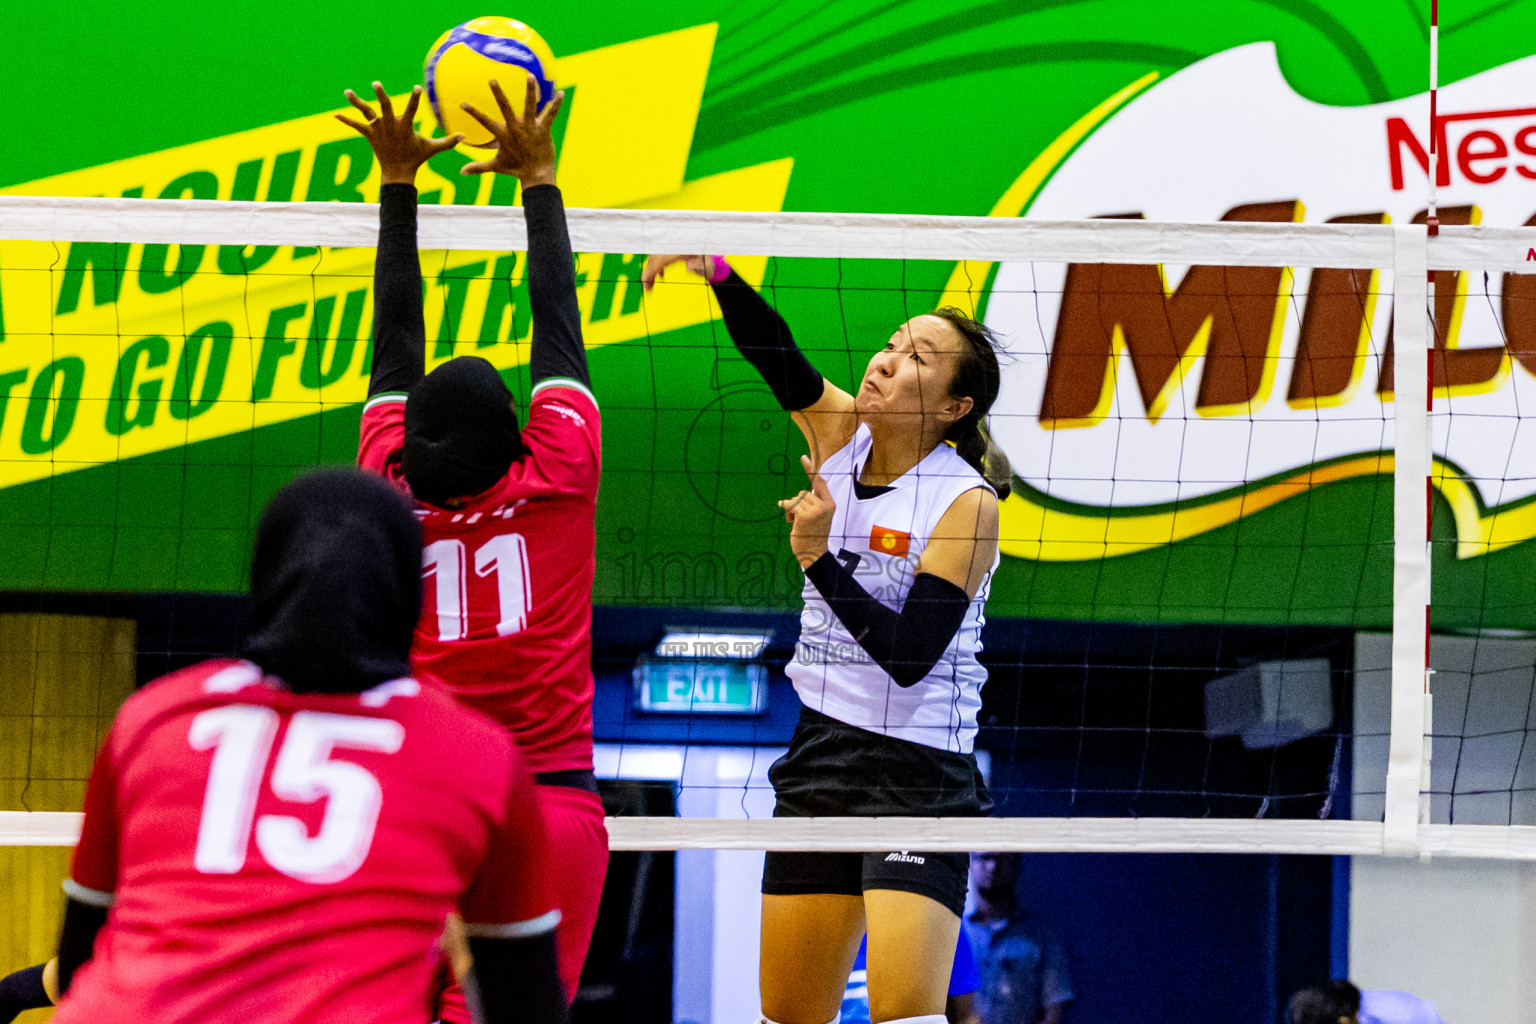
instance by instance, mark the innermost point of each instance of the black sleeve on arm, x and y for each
(21, 991)
(81, 923)
(399, 330)
(558, 350)
(762, 337)
(906, 644)
(518, 980)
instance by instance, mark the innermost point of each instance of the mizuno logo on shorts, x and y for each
(903, 858)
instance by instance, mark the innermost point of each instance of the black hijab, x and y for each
(461, 434)
(335, 583)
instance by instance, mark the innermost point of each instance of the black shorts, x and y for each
(838, 770)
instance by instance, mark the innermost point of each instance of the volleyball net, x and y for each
(1211, 628)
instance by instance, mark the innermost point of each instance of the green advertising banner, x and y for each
(153, 396)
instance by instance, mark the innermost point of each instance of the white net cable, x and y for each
(1403, 252)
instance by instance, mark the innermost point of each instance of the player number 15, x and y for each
(241, 736)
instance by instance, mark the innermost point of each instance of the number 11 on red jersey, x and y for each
(505, 556)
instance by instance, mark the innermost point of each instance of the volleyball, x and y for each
(461, 64)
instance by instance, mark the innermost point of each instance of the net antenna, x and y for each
(1436, 157)
(1434, 126)
(1408, 765)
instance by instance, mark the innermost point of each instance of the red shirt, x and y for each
(506, 611)
(273, 857)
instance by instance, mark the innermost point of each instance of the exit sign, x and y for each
(688, 686)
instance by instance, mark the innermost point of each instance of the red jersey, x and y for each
(271, 856)
(506, 611)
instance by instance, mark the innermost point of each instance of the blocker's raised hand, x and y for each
(400, 148)
(525, 148)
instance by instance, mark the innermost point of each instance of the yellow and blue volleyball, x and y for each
(461, 64)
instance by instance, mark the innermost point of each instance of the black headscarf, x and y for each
(461, 434)
(335, 583)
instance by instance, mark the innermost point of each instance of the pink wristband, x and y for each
(719, 270)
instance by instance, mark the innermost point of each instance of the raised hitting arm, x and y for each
(399, 331)
(823, 412)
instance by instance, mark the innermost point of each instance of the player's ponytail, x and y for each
(976, 447)
(978, 378)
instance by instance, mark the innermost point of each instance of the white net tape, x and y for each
(1028, 835)
(1403, 250)
(818, 235)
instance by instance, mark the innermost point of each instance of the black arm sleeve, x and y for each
(399, 331)
(763, 338)
(22, 991)
(517, 980)
(81, 923)
(906, 644)
(558, 350)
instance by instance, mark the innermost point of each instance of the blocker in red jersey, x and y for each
(507, 510)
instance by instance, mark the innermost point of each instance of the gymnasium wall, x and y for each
(1460, 933)
(62, 678)
(1482, 763)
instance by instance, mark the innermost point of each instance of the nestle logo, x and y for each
(1483, 146)
(904, 858)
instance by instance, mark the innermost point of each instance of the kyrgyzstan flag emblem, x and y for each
(889, 542)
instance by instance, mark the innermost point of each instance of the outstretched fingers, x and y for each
(411, 105)
(505, 104)
(367, 111)
(359, 128)
(436, 146)
(531, 100)
(386, 106)
(489, 123)
(478, 167)
(552, 108)
(486, 122)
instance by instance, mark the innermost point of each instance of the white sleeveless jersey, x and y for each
(881, 539)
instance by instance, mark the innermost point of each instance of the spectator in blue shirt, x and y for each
(959, 1008)
(1023, 971)
(1343, 1003)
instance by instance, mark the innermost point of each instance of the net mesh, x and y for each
(1191, 637)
